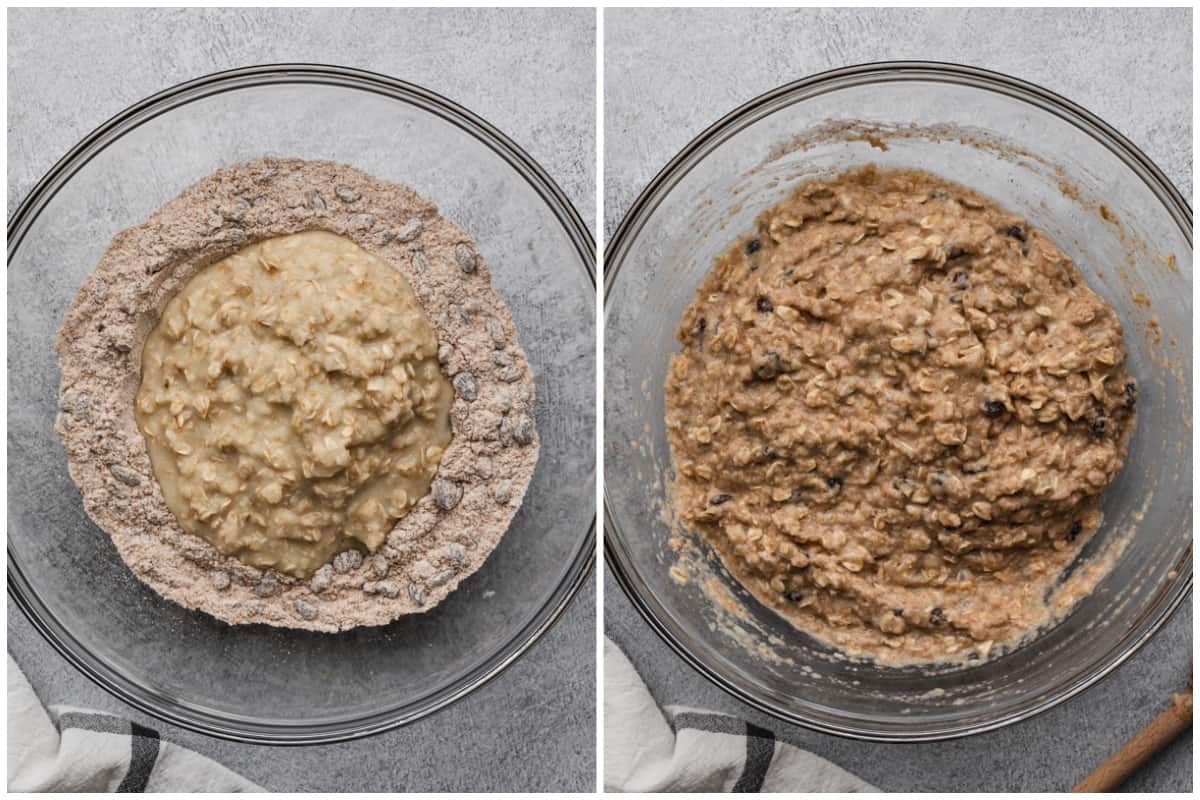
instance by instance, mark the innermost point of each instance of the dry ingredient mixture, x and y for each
(299, 378)
(894, 411)
(292, 402)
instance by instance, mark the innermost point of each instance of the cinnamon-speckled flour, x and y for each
(483, 474)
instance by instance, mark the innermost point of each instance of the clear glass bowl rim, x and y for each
(190, 716)
(616, 558)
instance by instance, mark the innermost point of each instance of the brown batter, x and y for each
(893, 414)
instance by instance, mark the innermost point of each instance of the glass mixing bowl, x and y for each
(257, 683)
(1035, 153)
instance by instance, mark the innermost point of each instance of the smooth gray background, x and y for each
(668, 74)
(530, 73)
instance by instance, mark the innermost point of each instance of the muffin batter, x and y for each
(893, 414)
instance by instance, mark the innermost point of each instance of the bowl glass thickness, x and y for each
(1035, 146)
(255, 682)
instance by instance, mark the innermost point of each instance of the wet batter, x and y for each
(893, 414)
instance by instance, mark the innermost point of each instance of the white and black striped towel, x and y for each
(69, 750)
(676, 749)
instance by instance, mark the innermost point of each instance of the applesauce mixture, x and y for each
(292, 402)
(895, 409)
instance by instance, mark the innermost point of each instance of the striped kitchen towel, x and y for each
(677, 749)
(69, 750)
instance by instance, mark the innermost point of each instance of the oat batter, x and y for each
(292, 402)
(893, 414)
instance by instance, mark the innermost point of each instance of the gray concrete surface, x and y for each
(669, 74)
(532, 74)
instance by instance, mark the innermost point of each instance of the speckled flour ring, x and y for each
(483, 474)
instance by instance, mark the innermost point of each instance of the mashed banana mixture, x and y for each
(292, 402)
(893, 414)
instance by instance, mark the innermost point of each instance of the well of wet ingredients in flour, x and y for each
(293, 397)
(292, 402)
(893, 414)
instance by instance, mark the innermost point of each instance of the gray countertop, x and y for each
(530, 73)
(1134, 69)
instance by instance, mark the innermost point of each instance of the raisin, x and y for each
(937, 616)
(1131, 395)
(753, 246)
(701, 324)
(956, 299)
(954, 251)
(720, 499)
(1098, 425)
(974, 469)
(770, 452)
(834, 483)
(1016, 232)
(960, 280)
(764, 305)
(1075, 530)
(770, 367)
(794, 597)
(993, 408)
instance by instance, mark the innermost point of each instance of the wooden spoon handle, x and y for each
(1148, 741)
